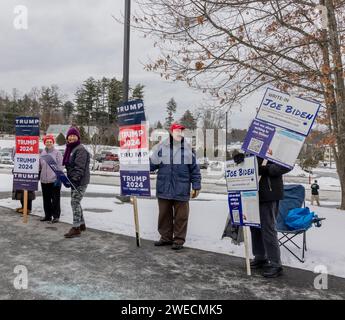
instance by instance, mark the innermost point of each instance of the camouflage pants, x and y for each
(76, 197)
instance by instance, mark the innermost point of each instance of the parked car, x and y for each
(99, 157)
(6, 150)
(216, 166)
(203, 163)
(111, 166)
(95, 166)
(111, 157)
(6, 158)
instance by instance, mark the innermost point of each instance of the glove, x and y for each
(57, 183)
(263, 171)
(194, 193)
(239, 158)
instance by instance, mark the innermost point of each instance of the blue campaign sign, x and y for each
(258, 138)
(244, 208)
(131, 112)
(25, 181)
(59, 173)
(27, 126)
(235, 206)
(135, 183)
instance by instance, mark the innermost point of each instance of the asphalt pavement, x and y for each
(102, 265)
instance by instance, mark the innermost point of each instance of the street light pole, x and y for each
(127, 26)
(226, 135)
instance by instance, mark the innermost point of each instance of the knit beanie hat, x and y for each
(48, 137)
(74, 131)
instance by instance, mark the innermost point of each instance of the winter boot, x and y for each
(74, 232)
(258, 264)
(83, 227)
(19, 210)
(177, 246)
(161, 243)
(272, 271)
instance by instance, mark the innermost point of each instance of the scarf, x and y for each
(67, 154)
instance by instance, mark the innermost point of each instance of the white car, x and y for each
(6, 158)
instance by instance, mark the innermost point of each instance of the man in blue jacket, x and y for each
(177, 173)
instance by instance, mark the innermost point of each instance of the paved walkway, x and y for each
(101, 265)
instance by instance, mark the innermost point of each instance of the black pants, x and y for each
(51, 200)
(265, 240)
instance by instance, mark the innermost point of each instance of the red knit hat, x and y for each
(175, 126)
(48, 137)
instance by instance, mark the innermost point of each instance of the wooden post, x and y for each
(246, 247)
(25, 206)
(136, 219)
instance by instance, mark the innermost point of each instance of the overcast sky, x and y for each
(68, 41)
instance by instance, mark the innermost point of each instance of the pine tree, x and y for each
(84, 137)
(138, 92)
(188, 120)
(60, 139)
(49, 103)
(68, 108)
(159, 125)
(171, 110)
(115, 98)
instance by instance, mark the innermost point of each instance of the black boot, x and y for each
(177, 246)
(273, 271)
(258, 264)
(163, 243)
(45, 219)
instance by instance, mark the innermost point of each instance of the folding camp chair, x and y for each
(294, 197)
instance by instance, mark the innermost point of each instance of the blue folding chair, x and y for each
(294, 197)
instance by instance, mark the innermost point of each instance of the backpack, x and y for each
(299, 218)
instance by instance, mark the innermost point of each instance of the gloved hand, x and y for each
(239, 158)
(57, 183)
(194, 193)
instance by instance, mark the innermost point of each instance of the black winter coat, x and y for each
(271, 183)
(78, 169)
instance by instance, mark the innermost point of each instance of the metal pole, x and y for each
(127, 25)
(226, 135)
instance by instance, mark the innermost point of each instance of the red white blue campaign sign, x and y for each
(134, 150)
(133, 137)
(26, 159)
(280, 127)
(131, 113)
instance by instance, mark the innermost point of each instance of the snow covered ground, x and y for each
(207, 219)
(206, 224)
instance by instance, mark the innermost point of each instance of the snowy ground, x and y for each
(206, 224)
(207, 219)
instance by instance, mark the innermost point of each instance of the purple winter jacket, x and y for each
(47, 174)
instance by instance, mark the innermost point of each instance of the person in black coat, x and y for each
(77, 161)
(265, 243)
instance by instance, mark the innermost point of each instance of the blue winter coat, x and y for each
(177, 170)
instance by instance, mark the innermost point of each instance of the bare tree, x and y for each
(231, 48)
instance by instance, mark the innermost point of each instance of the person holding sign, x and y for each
(51, 185)
(77, 162)
(265, 243)
(177, 172)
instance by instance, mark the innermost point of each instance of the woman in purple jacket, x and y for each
(51, 186)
